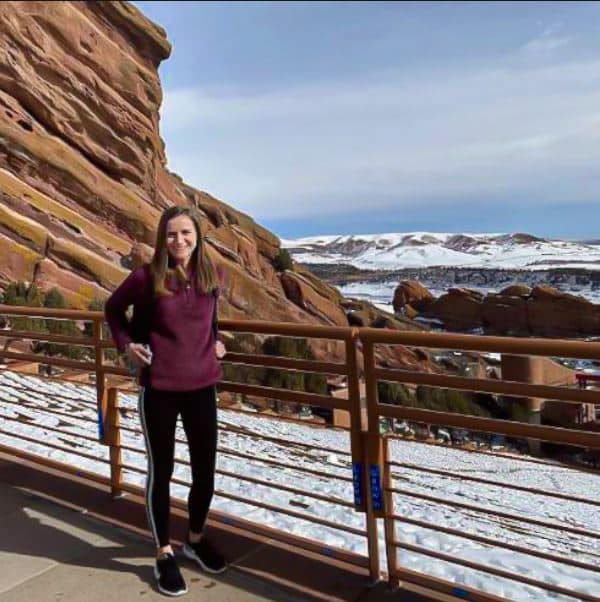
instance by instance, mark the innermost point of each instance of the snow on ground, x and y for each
(425, 249)
(32, 400)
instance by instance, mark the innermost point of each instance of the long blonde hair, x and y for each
(202, 267)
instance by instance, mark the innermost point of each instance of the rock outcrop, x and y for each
(411, 295)
(517, 310)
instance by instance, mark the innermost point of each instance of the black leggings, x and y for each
(158, 414)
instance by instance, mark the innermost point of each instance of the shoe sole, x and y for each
(181, 592)
(192, 556)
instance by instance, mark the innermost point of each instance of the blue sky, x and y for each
(321, 118)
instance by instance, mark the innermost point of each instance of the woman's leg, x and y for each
(158, 416)
(199, 417)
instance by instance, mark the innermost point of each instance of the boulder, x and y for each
(459, 309)
(516, 290)
(505, 315)
(413, 293)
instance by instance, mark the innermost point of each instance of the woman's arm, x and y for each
(129, 292)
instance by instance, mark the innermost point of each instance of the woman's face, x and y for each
(181, 239)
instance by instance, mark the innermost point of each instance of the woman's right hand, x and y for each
(139, 355)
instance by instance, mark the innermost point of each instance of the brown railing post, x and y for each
(388, 521)
(358, 447)
(100, 377)
(113, 438)
(373, 457)
(357, 425)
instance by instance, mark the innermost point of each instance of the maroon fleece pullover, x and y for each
(178, 329)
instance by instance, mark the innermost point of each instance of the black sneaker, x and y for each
(168, 578)
(206, 555)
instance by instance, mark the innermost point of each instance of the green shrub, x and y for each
(297, 381)
(393, 393)
(252, 375)
(447, 400)
(283, 261)
(55, 300)
(21, 293)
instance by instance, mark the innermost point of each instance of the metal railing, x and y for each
(373, 470)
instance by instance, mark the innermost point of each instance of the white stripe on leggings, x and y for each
(150, 476)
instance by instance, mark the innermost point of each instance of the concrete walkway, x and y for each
(63, 539)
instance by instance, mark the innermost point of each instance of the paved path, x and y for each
(59, 542)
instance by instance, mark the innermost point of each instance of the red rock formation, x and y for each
(458, 309)
(517, 311)
(553, 313)
(413, 294)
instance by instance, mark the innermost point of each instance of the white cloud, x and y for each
(547, 41)
(392, 140)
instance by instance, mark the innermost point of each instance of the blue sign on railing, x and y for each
(100, 425)
(460, 593)
(357, 471)
(375, 478)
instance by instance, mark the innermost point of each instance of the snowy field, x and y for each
(398, 250)
(27, 403)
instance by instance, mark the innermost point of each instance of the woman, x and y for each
(171, 339)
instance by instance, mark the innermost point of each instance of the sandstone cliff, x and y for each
(83, 176)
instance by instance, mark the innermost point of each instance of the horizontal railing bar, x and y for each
(291, 329)
(463, 477)
(443, 586)
(116, 371)
(50, 312)
(271, 532)
(285, 442)
(54, 379)
(529, 551)
(230, 452)
(289, 489)
(273, 508)
(281, 418)
(52, 429)
(300, 365)
(271, 484)
(498, 513)
(54, 446)
(50, 411)
(300, 515)
(483, 385)
(495, 571)
(54, 464)
(47, 336)
(492, 453)
(552, 434)
(49, 360)
(492, 344)
(297, 541)
(299, 397)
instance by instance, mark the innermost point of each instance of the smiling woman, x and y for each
(171, 339)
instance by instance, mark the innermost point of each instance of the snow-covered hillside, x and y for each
(31, 407)
(424, 249)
